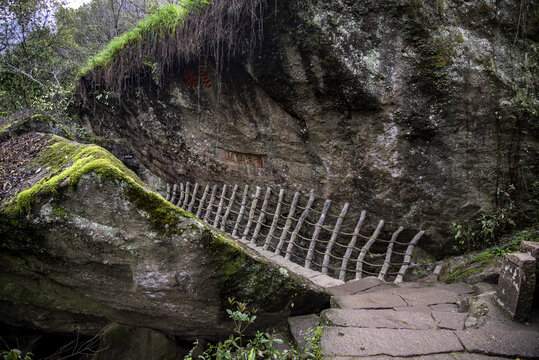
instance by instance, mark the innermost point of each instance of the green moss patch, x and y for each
(66, 162)
(474, 265)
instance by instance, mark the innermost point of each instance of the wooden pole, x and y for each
(316, 232)
(252, 212)
(179, 200)
(408, 257)
(365, 248)
(242, 210)
(167, 197)
(298, 226)
(230, 203)
(387, 260)
(210, 204)
(333, 238)
(202, 201)
(174, 193)
(288, 223)
(275, 220)
(193, 199)
(186, 197)
(219, 208)
(262, 215)
(342, 273)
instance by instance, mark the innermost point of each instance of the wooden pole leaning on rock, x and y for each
(351, 244)
(333, 238)
(275, 220)
(219, 208)
(298, 226)
(383, 271)
(193, 199)
(180, 198)
(365, 248)
(262, 215)
(252, 212)
(317, 229)
(242, 210)
(186, 197)
(173, 197)
(288, 223)
(230, 203)
(202, 201)
(408, 257)
(167, 196)
(210, 204)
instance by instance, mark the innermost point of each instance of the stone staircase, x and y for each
(371, 319)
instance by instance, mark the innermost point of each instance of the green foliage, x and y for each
(16, 354)
(485, 230)
(155, 26)
(261, 346)
(313, 338)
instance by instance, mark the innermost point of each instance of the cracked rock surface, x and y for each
(437, 321)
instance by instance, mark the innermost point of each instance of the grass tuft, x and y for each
(158, 25)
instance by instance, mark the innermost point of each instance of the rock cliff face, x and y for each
(418, 111)
(84, 243)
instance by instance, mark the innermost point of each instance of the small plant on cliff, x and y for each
(262, 346)
(489, 227)
(16, 354)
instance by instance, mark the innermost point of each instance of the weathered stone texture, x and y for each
(517, 285)
(396, 106)
(106, 250)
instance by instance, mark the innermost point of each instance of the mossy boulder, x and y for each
(84, 242)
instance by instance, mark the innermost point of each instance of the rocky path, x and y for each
(374, 320)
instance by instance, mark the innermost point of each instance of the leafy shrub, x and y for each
(16, 354)
(262, 346)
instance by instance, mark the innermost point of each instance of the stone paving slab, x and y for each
(503, 339)
(459, 288)
(369, 301)
(347, 341)
(326, 281)
(450, 356)
(449, 320)
(354, 286)
(417, 308)
(428, 296)
(444, 307)
(388, 319)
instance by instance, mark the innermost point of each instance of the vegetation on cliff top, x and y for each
(195, 30)
(153, 28)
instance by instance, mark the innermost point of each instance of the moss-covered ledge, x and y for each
(89, 225)
(36, 122)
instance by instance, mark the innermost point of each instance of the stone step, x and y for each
(376, 300)
(357, 342)
(355, 286)
(503, 339)
(388, 319)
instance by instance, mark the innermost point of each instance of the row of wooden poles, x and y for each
(215, 210)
